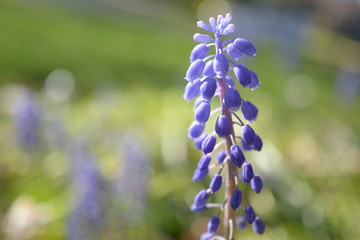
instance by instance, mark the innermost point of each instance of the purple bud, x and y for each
(223, 126)
(257, 145)
(204, 162)
(192, 89)
(235, 199)
(243, 75)
(202, 38)
(202, 112)
(229, 29)
(250, 214)
(233, 51)
(245, 146)
(195, 70)
(249, 111)
(208, 88)
(195, 130)
(212, 23)
(200, 51)
(213, 224)
(237, 156)
(200, 174)
(230, 81)
(247, 172)
(198, 141)
(220, 18)
(232, 99)
(209, 69)
(207, 146)
(215, 183)
(241, 223)
(198, 101)
(248, 134)
(206, 236)
(256, 183)
(200, 200)
(226, 21)
(254, 81)
(221, 65)
(203, 25)
(245, 46)
(220, 156)
(258, 226)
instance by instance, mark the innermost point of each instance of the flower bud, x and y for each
(202, 38)
(209, 69)
(235, 199)
(243, 75)
(258, 226)
(233, 51)
(250, 214)
(198, 101)
(247, 172)
(229, 29)
(257, 143)
(213, 224)
(248, 134)
(226, 21)
(195, 70)
(223, 126)
(254, 81)
(202, 112)
(199, 140)
(245, 47)
(215, 183)
(206, 236)
(200, 51)
(200, 200)
(241, 223)
(195, 130)
(221, 65)
(203, 25)
(192, 89)
(232, 99)
(229, 81)
(204, 162)
(249, 111)
(200, 174)
(256, 183)
(207, 146)
(237, 156)
(208, 88)
(220, 156)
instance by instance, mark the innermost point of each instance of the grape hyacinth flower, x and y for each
(209, 76)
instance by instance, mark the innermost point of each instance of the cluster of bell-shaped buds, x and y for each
(208, 77)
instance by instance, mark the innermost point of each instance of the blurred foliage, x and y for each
(128, 72)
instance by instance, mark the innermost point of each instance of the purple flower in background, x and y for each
(211, 76)
(27, 119)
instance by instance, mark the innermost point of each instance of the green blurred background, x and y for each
(93, 122)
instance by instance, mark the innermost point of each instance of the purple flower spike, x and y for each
(249, 111)
(198, 141)
(221, 65)
(208, 88)
(195, 70)
(248, 134)
(232, 99)
(233, 51)
(200, 174)
(237, 156)
(245, 46)
(202, 112)
(235, 199)
(199, 52)
(192, 89)
(213, 224)
(256, 183)
(207, 146)
(195, 130)
(247, 172)
(243, 75)
(250, 214)
(202, 38)
(200, 200)
(222, 126)
(254, 81)
(220, 156)
(209, 69)
(258, 226)
(241, 223)
(215, 183)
